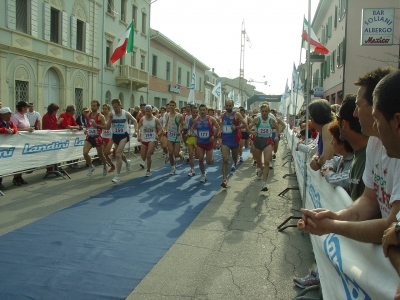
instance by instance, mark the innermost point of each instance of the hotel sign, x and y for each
(176, 89)
(377, 26)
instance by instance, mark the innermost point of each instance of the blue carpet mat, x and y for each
(102, 247)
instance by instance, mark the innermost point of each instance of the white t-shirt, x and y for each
(33, 117)
(270, 115)
(382, 174)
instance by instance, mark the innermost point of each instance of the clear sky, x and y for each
(211, 31)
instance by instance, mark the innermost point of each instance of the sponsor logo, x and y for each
(78, 142)
(54, 146)
(332, 250)
(315, 197)
(7, 153)
(380, 40)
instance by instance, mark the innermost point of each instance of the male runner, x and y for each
(263, 142)
(118, 122)
(211, 113)
(191, 139)
(149, 128)
(173, 127)
(282, 126)
(95, 123)
(106, 135)
(232, 122)
(204, 126)
(245, 135)
(163, 137)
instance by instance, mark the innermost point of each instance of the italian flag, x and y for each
(315, 46)
(125, 45)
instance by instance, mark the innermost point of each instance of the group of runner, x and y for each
(199, 129)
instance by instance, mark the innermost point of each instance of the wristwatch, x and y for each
(397, 230)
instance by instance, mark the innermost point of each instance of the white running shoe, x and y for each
(191, 173)
(128, 166)
(148, 173)
(259, 173)
(141, 165)
(233, 167)
(105, 171)
(240, 159)
(116, 179)
(203, 179)
(271, 164)
(166, 159)
(264, 187)
(173, 171)
(90, 170)
(181, 156)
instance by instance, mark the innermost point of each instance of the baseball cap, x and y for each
(5, 110)
(148, 107)
(23, 104)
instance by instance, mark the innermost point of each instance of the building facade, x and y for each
(211, 79)
(347, 59)
(171, 73)
(57, 51)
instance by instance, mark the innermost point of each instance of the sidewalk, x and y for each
(232, 250)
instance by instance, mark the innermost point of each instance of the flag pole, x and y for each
(308, 88)
(130, 94)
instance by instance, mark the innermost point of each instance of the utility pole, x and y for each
(241, 70)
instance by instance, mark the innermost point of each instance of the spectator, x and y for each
(386, 112)
(321, 116)
(302, 144)
(135, 112)
(139, 116)
(336, 170)
(359, 221)
(82, 119)
(34, 117)
(50, 122)
(68, 121)
(6, 127)
(21, 121)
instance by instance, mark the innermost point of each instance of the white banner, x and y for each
(24, 150)
(348, 269)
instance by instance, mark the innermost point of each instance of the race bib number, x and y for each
(204, 134)
(149, 136)
(263, 132)
(106, 133)
(119, 129)
(92, 131)
(172, 136)
(227, 129)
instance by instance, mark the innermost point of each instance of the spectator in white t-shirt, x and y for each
(34, 117)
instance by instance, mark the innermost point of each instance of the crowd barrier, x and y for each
(348, 269)
(26, 151)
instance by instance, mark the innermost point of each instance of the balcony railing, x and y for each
(126, 74)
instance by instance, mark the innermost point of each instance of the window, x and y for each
(22, 16)
(164, 102)
(335, 18)
(142, 62)
(122, 61)
(330, 27)
(333, 98)
(179, 75)
(78, 99)
(132, 101)
(141, 99)
(108, 53)
(323, 35)
(154, 66)
(133, 59)
(157, 102)
(333, 56)
(316, 78)
(110, 6)
(144, 22)
(323, 76)
(80, 35)
(200, 84)
(134, 16)
(168, 77)
(55, 27)
(187, 78)
(108, 97)
(21, 91)
(342, 9)
(340, 54)
(328, 66)
(180, 104)
(123, 10)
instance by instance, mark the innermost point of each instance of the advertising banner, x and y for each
(377, 25)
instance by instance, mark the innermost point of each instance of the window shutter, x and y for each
(330, 27)
(64, 37)
(328, 65)
(46, 23)
(34, 18)
(323, 36)
(11, 14)
(73, 32)
(88, 38)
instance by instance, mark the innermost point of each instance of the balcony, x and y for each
(126, 74)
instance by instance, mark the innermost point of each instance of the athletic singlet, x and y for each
(173, 129)
(228, 135)
(245, 119)
(194, 132)
(148, 130)
(264, 128)
(204, 130)
(187, 120)
(161, 119)
(91, 130)
(119, 123)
